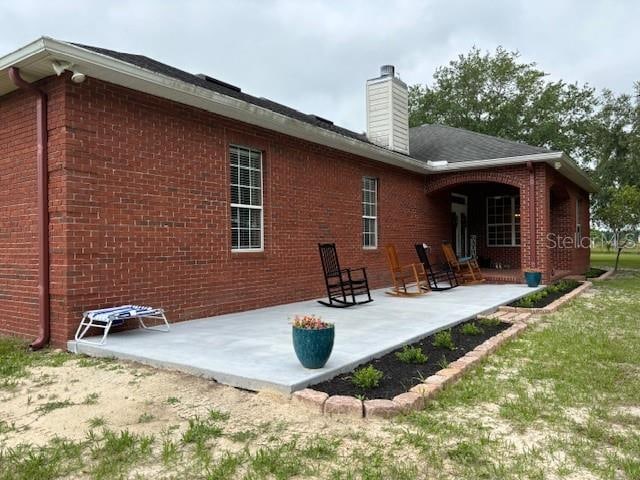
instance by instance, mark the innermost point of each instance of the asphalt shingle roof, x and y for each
(223, 88)
(427, 142)
(441, 143)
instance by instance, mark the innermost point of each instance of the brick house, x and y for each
(124, 180)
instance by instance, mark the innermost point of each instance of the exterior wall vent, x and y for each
(220, 83)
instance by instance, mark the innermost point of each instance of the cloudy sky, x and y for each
(316, 55)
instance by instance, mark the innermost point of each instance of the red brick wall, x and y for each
(139, 206)
(568, 252)
(146, 211)
(18, 207)
(18, 247)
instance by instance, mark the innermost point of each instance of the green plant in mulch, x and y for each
(411, 355)
(561, 287)
(443, 362)
(443, 339)
(471, 329)
(594, 272)
(367, 377)
(489, 322)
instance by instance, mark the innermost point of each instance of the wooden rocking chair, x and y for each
(466, 269)
(406, 277)
(342, 286)
(441, 277)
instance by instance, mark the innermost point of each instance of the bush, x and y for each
(443, 339)
(594, 272)
(411, 355)
(563, 286)
(367, 377)
(471, 329)
(489, 322)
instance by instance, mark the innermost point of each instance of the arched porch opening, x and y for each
(487, 221)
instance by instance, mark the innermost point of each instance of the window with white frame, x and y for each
(503, 221)
(369, 212)
(246, 199)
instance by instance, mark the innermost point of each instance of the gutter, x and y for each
(556, 160)
(42, 161)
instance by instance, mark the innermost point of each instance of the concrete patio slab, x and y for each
(253, 349)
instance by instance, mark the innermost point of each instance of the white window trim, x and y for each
(252, 207)
(370, 217)
(512, 224)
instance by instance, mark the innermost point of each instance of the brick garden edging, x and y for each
(552, 307)
(419, 395)
(606, 275)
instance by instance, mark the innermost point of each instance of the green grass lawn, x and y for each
(629, 259)
(562, 401)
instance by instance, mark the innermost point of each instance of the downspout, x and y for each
(43, 208)
(532, 214)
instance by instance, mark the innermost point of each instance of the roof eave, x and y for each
(121, 73)
(34, 59)
(558, 160)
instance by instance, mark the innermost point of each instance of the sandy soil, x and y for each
(121, 392)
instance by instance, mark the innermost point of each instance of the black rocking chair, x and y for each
(342, 287)
(438, 273)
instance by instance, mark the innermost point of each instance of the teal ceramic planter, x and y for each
(313, 347)
(533, 278)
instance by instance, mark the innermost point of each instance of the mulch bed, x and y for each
(550, 297)
(595, 272)
(399, 377)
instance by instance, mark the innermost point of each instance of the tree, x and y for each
(620, 214)
(616, 148)
(616, 139)
(499, 95)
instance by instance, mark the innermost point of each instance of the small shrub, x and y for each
(443, 362)
(367, 377)
(563, 286)
(411, 355)
(489, 322)
(471, 329)
(443, 339)
(594, 272)
(173, 400)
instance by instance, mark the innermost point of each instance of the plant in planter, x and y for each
(312, 340)
(533, 276)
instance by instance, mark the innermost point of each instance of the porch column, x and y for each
(532, 216)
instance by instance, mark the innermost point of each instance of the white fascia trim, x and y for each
(568, 167)
(18, 56)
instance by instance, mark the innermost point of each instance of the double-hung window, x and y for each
(369, 212)
(247, 232)
(503, 221)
